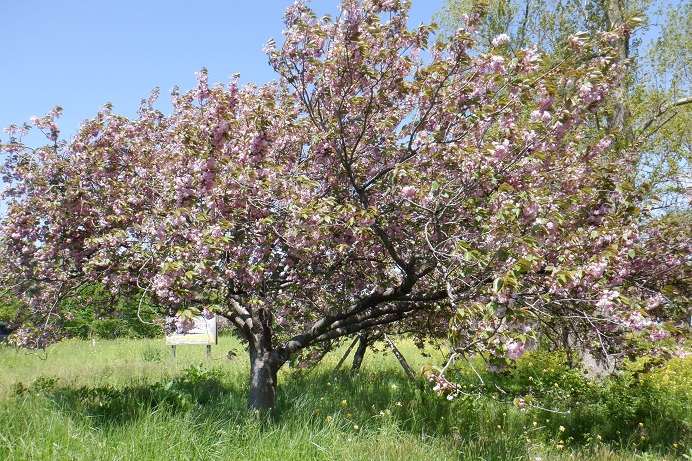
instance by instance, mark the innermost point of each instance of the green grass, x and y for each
(75, 363)
(130, 400)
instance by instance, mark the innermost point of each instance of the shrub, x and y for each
(96, 312)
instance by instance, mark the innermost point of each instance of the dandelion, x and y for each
(328, 419)
(344, 403)
(349, 415)
(355, 427)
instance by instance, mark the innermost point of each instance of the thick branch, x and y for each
(365, 314)
(239, 315)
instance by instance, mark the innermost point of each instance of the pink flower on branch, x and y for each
(500, 40)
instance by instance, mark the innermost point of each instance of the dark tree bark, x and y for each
(360, 352)
(267, 356)
(345, 356)
(264, 363)
(263, 368)
(402, 361)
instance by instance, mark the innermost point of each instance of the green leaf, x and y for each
(498, 283)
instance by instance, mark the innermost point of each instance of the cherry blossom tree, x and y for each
(385, 177)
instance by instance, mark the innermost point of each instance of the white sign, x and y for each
(202, 333)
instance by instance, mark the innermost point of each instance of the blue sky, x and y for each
(81, 54)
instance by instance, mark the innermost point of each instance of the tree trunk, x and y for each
(615, 15)
(264, 361)
(401, 359)
(345, 356)
(360, 352)
(263, 368)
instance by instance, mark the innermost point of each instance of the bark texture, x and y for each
(363, 344)
(263, 368)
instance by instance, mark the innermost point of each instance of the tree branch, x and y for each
(662, 110)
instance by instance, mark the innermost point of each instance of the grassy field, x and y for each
(130, 400)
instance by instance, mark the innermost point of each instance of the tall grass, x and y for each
(130, 400)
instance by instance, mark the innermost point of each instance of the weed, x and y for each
(152, 354)
(43, 384)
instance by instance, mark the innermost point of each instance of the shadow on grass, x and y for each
(196, 389)
(367, 401)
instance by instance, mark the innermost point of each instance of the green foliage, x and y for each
(664, 81)
(95, 312)
(544, 375)
(635, 409)
(152, 354)
(44, 384)
(110, 404)
(8, 309)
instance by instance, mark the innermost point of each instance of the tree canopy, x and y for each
(386, 175)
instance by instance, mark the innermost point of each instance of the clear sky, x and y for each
(81, 54)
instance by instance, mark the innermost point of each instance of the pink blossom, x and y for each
(657, 334)
(515, 349)
(496, 64)
(655, 301)
(409, 192)
(500, 150)
(576, 41)
(500, 40)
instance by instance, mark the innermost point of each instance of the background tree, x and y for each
(662, 112)
(382, 178)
